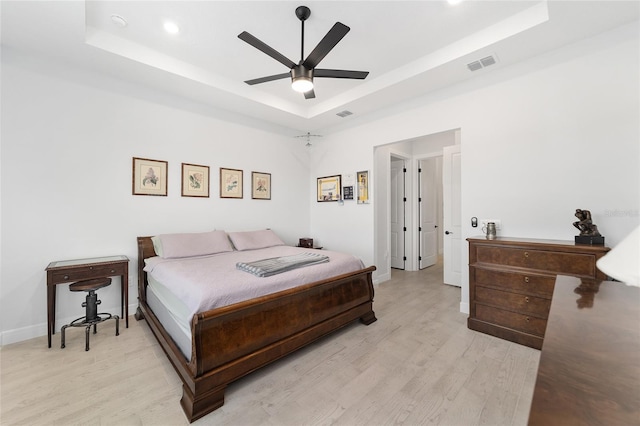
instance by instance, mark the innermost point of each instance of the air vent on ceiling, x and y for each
(482, 63)
(344, 113)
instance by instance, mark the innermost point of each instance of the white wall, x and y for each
(538, 139)
(67, 153)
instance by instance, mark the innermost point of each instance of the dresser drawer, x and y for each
(526, 323)
(556, 262)
(540, 285)
(69, 274)
(524, 304)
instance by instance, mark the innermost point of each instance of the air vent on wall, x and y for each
(344, 113)
(482, 63)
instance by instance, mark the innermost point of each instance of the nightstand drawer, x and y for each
(69, 274)
(526, 323)
(529, 305)
(540, 285)
(558, 262)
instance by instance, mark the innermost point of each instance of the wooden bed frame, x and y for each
(232, 341)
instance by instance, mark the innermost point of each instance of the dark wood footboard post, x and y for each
(206, 403)
(138, 315)
(368, 318)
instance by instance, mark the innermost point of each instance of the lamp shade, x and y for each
(623, 261)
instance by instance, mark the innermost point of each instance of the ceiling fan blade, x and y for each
(268, 78)
(335, 34)
(260, 45)
(359, 75)
(310, 94)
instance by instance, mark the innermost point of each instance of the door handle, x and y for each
(447, 232)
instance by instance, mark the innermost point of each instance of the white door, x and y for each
(397, 217)
(428, 211)
(451, 168)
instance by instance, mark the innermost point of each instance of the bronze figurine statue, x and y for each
(585, 224)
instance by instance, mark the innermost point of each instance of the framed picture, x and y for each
(329, 188)
(260, 186)
(363, 187)
(230, 183)
(195, 180)
(149, 177)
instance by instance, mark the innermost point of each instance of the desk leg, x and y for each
(51, 312)
(125, 298)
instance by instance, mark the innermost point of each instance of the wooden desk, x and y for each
(66, 271)
(589, 371)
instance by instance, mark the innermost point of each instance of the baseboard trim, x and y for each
(464, 307)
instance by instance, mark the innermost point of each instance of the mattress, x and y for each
(172, 314)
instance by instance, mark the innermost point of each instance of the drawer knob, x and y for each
(527, 319)
(526, 279)
(113, 271)
(526, 254)
(66, 277)
(526, 299)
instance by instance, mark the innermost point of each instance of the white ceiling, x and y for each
(410, 48)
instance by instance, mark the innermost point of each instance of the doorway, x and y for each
(411, 151)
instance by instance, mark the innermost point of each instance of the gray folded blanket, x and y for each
(278, 265)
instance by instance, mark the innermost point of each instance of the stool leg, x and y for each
(117, 325)
(95, 328)
(62, 336)
(87, 337)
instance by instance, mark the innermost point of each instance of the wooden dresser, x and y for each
(511, 283)
(589, 372)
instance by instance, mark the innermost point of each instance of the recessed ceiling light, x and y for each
(454, 2)
(118, 21)
(171, 27)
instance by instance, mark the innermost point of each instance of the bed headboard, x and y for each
(145, 251)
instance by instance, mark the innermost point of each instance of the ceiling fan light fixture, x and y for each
(301, 79)
(301, 84)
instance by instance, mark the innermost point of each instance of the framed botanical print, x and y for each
(329, 188)
(230, 183)
(195, 180)
(149, 177)
(260, 186)
(363, 187)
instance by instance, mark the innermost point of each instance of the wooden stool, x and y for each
(92, 317)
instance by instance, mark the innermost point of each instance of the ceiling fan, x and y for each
(302, 74)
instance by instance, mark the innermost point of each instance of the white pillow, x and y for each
(254, 239)
(171, 246)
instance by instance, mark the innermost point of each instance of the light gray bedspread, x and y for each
(207, 282)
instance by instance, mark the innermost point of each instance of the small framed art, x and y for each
(363, 187)
(195, 180)
(329, 188)
(149, 177)
(230, 183)
(260, 186)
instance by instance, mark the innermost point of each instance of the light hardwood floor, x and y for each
(418, 364)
